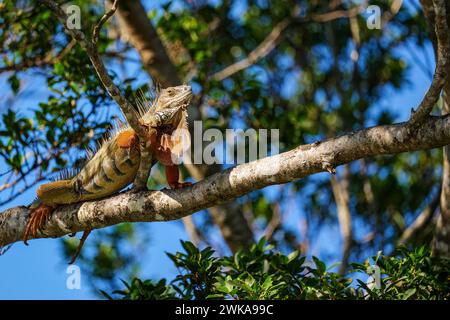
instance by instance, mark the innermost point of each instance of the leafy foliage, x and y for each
(262, 273)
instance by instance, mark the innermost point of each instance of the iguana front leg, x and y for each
(115, 164)
(164, 155)
(173, 176)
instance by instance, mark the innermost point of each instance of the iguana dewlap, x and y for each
(115, 164)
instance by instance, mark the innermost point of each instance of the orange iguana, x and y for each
(116, 162)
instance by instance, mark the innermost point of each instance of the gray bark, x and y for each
(441, 239)
(232, 183)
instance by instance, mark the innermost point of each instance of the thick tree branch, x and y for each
(139, 31)
(232, 183)
(441, 239)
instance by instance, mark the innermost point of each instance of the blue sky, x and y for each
(39, 270)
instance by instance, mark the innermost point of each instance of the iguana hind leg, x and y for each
(38, 217)
(50, 196)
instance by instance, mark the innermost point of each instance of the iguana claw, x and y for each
(179, 185)
(38, 217)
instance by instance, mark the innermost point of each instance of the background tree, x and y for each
(313, 69)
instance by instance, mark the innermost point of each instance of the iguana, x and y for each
(115, 164)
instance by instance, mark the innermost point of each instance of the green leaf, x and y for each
(409, 293)
(106, 295)
(321, 267)
(293, 255)
(14, 82)
(189, 247)
(58, 67)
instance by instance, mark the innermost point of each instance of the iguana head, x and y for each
(169, 109)
(173, 97)
(169, 113)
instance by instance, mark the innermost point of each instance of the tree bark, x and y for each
(138, 30)
(441, 239)
(232, 183)
(342, 198)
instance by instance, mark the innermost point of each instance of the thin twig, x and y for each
(393, 10)
(274, 37)
(274, 223)
(102, 21)
(126, 107)
(262, 50)
(14, 195)
(338, 14)
(39, 61)
(421, 221)
(5, 173)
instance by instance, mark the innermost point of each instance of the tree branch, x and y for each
(102, 21)
(262, 50)
(441, 239)
(139, 31)
(99, 67)
(274, 223)
(442, 65)
(275, 36)
(338, 14)
(232, 183)
(421, 221)
(342, 199)
(129, 112)
(39, 61)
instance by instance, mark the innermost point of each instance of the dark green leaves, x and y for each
(261, 273)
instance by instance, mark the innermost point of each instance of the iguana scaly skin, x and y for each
(116, 162)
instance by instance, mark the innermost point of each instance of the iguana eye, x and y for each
(158, 120)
